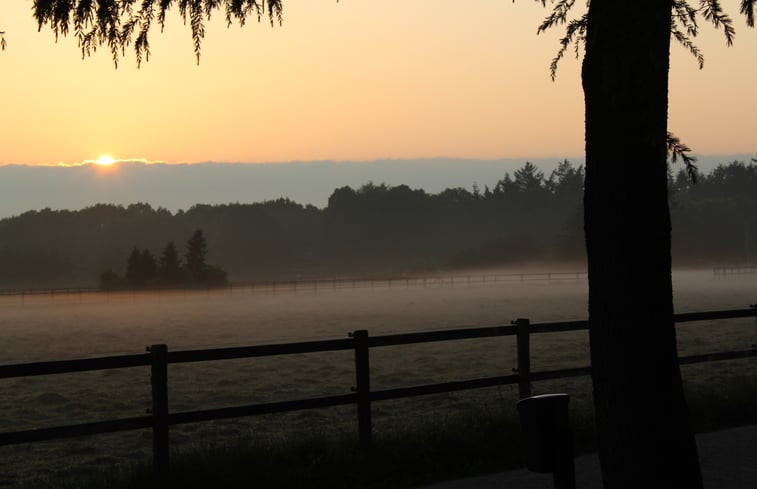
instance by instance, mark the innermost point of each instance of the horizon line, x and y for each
(148, 162)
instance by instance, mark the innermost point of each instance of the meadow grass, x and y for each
(474, 440)
(406, 454)
(417, 440)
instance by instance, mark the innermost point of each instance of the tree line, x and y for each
(374, 229)
(144, 271)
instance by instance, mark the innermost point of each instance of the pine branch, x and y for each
(559, 15)
(116, 23)
(686, 16)
(575, 33)
(142, 43)
(677, 149)
(686, 42)
(747, 8)
(713, 12)
(684, 29)
(162, 9)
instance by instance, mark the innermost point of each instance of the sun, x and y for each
(105, 160)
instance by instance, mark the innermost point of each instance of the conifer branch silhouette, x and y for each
(684, 29)
(118, 24)
(677, 149)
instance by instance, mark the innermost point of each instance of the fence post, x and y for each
(363, 387)
(524, 357)
(159, 381)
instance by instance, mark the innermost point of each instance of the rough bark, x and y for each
(645, 438)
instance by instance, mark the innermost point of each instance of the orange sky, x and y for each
(354, 80)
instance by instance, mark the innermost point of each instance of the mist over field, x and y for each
(92, 324)
(66, 326)
(179, 186)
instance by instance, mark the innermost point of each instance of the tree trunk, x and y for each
(645, 438)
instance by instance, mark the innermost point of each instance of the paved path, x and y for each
(728, 459)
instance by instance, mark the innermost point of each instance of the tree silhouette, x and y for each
(119, 23)
(109, 280)
(194, 258)
(565, 180)
(142, 271)
(645, 438)
(147, 266)
(140, 268)
(169, 270)
(134, 269)
(528, 179)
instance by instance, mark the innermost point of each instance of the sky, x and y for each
(353, 80)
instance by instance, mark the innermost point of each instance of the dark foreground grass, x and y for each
(473, 442)
(409, 454)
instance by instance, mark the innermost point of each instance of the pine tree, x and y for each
(133, 269)
(148, 268)
(169, 270)
(194, 258)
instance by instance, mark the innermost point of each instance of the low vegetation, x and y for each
(470, 442)
(407, 455)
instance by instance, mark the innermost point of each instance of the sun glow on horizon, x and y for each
(105, 160)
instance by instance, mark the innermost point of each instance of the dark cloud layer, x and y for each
(176, 187)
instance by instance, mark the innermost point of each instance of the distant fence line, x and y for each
(274, 286)
(734, 270)
(362, 396)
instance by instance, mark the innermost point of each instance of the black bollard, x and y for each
(547, 437)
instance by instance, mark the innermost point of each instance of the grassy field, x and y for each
(97, 325)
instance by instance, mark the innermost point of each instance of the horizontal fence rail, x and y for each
(158, 357)
(69, 366)
(734, 270)
(301, 284)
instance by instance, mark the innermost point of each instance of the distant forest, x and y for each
(523, 218)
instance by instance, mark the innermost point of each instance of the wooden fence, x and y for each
(734, 270)
(315, 284)
(158, 357)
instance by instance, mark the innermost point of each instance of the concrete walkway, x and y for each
(728, 459)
